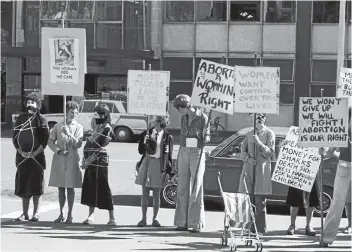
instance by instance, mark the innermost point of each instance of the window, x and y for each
(180, 68)
(245, 11)
(233, 150)
(89, 31)
(180, 87)
(286, 67)
(133, 24)
(280, 11)
(88, 107)
(287, 93)
(81, 10)
(328, 11)
(324, 70)
(31, 24)
(53, 10)
(109, 10)
(211, 10)
(242, 62)
(329, 90)
(109, 36)
(179, 11)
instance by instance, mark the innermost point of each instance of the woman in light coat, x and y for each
(64, 141)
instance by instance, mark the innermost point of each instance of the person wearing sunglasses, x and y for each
(65, 140)
(257, 149)
(195, 133)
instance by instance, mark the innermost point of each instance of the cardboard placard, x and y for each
(296, 166)
(148, 92)
(214, 87)
(323, 122)
(344, 87)
(257, 89)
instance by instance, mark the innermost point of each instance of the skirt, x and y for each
(149, 174)
(302, 199)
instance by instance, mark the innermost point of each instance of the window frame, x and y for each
(243, 21)
(211, 21)
(312, 69)
(164, 11)
(295, 13)
(283, 59)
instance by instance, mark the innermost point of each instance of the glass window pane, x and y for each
(89, 32)
(179, 11)
(53, 10)
(111, 83)
(329, 90)
(241, 62)
(88, 107)
(245, 11)
(109, 10)
(31, 24)
(286, 67)
(180, 68)
(286, 93)
(31, 83)
(280, 11)
(108, 36)
(133, 25)
(328, 11)
(324, 70)
(233, 150)
(177, 88)
(81, 10)
(211, 10)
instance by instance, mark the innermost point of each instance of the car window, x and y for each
(88, 107)
(80, 106)
(115, 109)
(233, 150)
(110, 105)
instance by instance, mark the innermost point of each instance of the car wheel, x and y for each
(123, 134)
(327, 198)
(168, 196)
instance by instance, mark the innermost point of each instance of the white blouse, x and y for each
(158, 142)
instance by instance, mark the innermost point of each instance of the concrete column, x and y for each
(155, 27)
(13, 88)
(19, 24)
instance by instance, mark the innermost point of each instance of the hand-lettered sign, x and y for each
(323, 122)
(257, 89)
(213, 87)
(296, 166)
(344, 87)
(148, 92)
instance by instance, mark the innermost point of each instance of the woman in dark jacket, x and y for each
(30, 137)
(156, 163)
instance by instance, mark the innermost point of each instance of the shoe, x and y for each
(324, 244)
(348, 230)
(69, 220)
(23, 217)
(291, 230)
(180, 228)
(156, 223)
(59, 219)
(111, 223)
(35, 218)
(196, 229)
(310, 231)
(88, 221)
(142, 223)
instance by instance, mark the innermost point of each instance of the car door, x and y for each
(229, 164)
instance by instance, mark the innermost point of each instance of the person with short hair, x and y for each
(342, 188)
(156, 148)
(195, 133)
(257, 150)
(30, 137)
(65, 139)
(95, 188)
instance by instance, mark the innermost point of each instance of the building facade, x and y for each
(300, 37)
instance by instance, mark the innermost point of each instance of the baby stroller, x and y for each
(239, 213)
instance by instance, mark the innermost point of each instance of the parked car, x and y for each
(125, 125)
(225, 158)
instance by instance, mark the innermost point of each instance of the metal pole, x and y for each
(63, 26)
(254, 131)
(341, 41)
(321, 182)
(144, 27)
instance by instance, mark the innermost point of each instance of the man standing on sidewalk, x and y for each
(195, 134)
(342, 189)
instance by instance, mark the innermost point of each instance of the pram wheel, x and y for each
(258, 247)
(233, 248)
(224, 241)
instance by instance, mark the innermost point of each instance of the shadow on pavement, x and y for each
(187, 246)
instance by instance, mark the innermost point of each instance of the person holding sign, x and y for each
(30, 137)
(156, 148)
(95, 188)
(297, 198)
(342, 189)
(65, 140)
(194, 135)
(256, 152)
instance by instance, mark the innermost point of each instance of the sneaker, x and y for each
(291, 230)
(310, 231)
(23, 217)
(196, 229)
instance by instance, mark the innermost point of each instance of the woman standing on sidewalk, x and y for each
(156, 148)
(95, 189)
(65, 140)
(30, 137)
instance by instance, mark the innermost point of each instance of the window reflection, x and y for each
(245, 11)
(179, 11)
(53, 10)
(328, 11)
(280, 11)
(211, 10)
(109, 10)
(81, 10)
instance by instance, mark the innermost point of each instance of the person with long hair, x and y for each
(258, 147)
(95, 188)
(156, 148)
(65, 139)
(30, 137)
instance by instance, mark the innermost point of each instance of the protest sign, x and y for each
(63, 61)
(148, 92)
(323, 122)
(257, 89)
(296, 166)
(213, 87)
(344, 87)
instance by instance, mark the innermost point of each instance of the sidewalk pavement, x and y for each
(47, 236)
